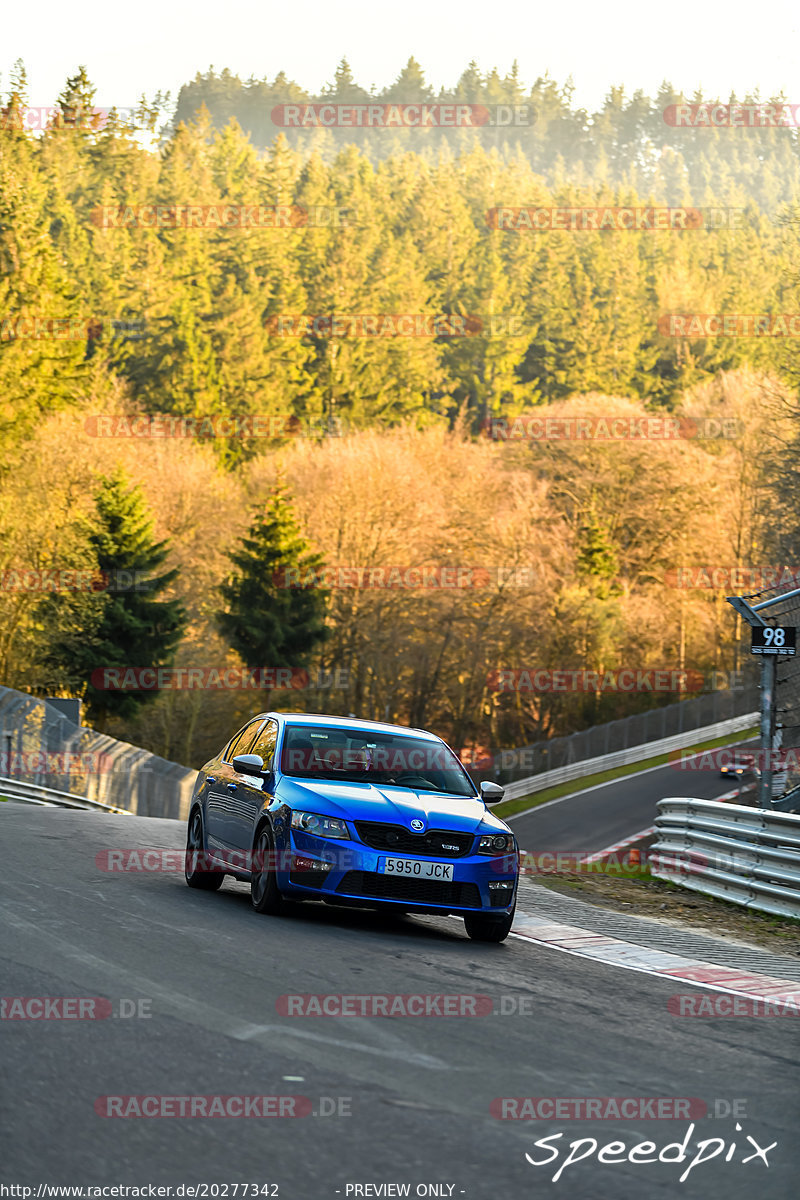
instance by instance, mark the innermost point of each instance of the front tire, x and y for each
(195, 872)
(489, 929)
(264, 894)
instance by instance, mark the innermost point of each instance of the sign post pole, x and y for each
(768, 666)
(768, 641)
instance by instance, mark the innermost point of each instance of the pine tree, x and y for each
(344, 89)
(127, 626)
(76, 104)
(409, 87)
(268, 620)
(38, 371)
(597, 560)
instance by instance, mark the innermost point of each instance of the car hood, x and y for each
(394, 805)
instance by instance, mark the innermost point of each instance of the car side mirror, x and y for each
(250, 764)
(491, 793)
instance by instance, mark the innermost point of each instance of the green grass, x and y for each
(509, 807)
(616, 869)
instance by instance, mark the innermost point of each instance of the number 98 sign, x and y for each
(774, 639)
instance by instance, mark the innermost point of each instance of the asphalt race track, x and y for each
(410, 1096)
(589, 821)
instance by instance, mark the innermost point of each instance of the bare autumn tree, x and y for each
(571, 545)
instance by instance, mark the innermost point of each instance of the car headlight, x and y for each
(496, 843)
(332, 827)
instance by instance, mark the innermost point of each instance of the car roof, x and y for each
(324, 720)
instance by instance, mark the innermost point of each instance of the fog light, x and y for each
(500, 892)
(310, 864)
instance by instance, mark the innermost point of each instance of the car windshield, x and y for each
(356, 756)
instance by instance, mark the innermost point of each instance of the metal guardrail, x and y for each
(633, 754)
(33, 793)
(749, 856)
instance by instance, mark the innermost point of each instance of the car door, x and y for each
(223, 791)
(251, 792)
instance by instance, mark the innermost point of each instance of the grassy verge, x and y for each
(643, 896)
(509, 807)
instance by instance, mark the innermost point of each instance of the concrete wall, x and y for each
(40, 745)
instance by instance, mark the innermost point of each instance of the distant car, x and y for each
(743, 765)
(352, 812)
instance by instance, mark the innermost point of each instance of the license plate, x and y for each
(412, 868)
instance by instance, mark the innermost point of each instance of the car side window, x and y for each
(265, 744)
(227, 753)
(242, 742)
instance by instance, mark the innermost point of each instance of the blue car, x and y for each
(308, 807)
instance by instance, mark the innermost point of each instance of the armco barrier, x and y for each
(633, 754)
(99, 769)
(749, 856)
(32, 793)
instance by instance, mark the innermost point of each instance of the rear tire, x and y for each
(489, 929)
(264, 894)
(197, 876)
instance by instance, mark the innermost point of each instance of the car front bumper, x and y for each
(348, 872)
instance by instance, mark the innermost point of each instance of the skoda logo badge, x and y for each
(417, 824)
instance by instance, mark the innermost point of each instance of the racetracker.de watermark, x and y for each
(736, 579)
(222, 216)
(584, 862)
(215, 425)
(30, 118)
(69, 329)
(721, 1004)
(435, 1004)
(157, 861)
(38, 580)
(785, 759)
(379, 116)
(534, 428)
(50, 762)
(395, 325)
(233, 679)
(404, 578)
(72, 1008)
(204, 1107)
(622, 679)
(604, 219)
(733, 325)
(597, 1108)
(732, 116)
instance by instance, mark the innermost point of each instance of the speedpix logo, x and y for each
(616, 1153)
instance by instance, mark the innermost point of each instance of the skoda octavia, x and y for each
(308, 807)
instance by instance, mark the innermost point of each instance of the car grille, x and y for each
(413, 891)
(396, 839)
